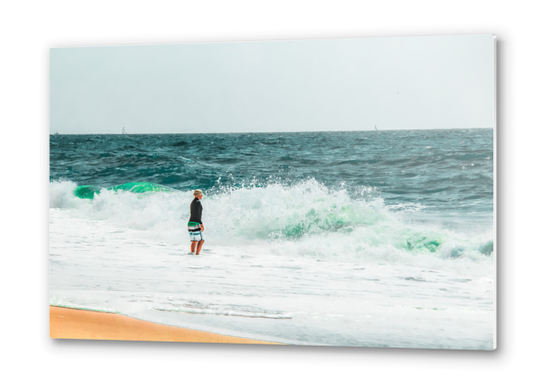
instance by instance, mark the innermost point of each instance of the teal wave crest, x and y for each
(89, 191)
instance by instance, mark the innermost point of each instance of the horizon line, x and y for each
(203, 133)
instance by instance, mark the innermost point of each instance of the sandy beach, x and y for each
(68, 323)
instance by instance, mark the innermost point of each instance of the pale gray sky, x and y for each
(298, 85)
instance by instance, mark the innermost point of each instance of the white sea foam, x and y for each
(97, 265)
(304, 220)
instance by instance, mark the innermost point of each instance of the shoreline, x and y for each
(68, 323)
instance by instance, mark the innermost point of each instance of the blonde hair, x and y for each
(198, 192)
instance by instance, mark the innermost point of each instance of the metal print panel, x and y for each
(318, 192)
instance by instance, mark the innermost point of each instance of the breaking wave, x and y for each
(306, 219)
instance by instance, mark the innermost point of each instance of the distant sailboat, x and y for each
(123, 131)
(376, 129)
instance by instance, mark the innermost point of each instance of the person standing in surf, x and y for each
(195, 225)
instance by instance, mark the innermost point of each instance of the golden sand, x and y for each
(80, 324)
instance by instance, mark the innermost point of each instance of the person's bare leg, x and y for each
(193, 246)
(200, 243)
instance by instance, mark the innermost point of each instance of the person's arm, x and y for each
(200, 216)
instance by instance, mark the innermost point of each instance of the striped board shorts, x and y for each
(195, 232)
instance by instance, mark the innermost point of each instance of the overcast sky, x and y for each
(298, 85)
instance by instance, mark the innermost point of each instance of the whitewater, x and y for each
(302, 247)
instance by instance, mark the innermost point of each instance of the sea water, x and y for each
(371, 238)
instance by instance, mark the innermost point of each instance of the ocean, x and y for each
(366, 238)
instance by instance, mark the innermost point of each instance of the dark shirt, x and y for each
(196, 209)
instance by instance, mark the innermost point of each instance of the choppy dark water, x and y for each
(435, 172)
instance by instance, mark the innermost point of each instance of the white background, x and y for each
(29, 29)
